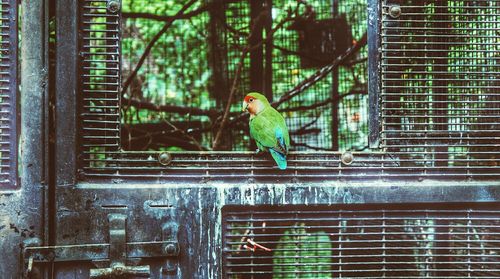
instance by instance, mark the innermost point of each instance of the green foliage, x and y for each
(179, 72)
(303, 255)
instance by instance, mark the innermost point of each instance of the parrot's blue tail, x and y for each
(279, 158)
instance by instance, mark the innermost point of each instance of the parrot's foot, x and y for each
(258, 151)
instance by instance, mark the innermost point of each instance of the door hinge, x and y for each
(117, 251)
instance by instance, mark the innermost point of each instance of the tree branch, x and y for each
(171, 108)
(245, 51)
(306, 83)
(323, 103)
(191, 14)
(321, 73)
(152, 42)
(193, 140)
(310, 146)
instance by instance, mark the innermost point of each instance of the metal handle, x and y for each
(143, 271)
(118, 253)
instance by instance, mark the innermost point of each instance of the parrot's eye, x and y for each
(250, 100)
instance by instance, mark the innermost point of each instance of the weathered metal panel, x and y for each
(22, 208)
(8, 95)
(197, 210)
(374, 72)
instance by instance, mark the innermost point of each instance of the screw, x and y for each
(395, 11)
(113, 6)
(347, 158)
(119, 271)
(164, 158)
(170, 249)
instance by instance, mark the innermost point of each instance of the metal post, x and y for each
(335, 92)
(34, 106)
(374, 72)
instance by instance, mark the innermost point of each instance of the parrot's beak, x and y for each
(245, 106)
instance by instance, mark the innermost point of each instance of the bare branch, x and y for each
(306, 131)
(323, 103)
(193, 140)
(236, 79)
(310, 146)
(191, 14)
(171, 108)
(321, 73)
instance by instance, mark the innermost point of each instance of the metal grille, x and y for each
(439, 107)
(448, 241)
(8, 92)
(100, 87)
(440, 104)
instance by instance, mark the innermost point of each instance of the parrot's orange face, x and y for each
(252, 105)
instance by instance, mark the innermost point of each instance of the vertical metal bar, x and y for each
(267, 87)
(218, 53)
(256, 55)
(440, 88)
(67, 110)
(335, 93)
(33, 139)
(13, 81)
(340, 241)
(67, 79)
(8, 93)
(34, 92)
(374, 72)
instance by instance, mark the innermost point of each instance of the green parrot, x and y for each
(267, 127)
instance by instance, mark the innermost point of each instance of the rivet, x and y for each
(347, 158)
(113, 6)
(170, 249)
(164, 158)
(395, 11)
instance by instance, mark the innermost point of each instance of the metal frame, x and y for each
(23, 208)
(374, 72)
(12, 92)
(196, 205)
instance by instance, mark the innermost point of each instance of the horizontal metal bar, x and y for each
(89, 252)
(374, 270)
(423, 29)
(361, 264)
(361, 256)
(427, 20)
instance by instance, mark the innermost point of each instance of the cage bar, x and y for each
(8, 92)
(370, 241)
(433, 104)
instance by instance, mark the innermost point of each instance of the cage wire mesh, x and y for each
(440, 84)
(447, 241)
(100, 84)
(439, 88)
(8, 91)
(193, 64)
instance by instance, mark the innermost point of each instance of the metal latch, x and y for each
(117, 251)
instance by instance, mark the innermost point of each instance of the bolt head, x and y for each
(395, 11)
(347, 158)
(164, 158)
(118, 270)
(113, 6)
(170, 249)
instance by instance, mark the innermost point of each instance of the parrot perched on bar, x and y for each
(267, 127)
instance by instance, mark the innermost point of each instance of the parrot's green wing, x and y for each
(269, 130)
